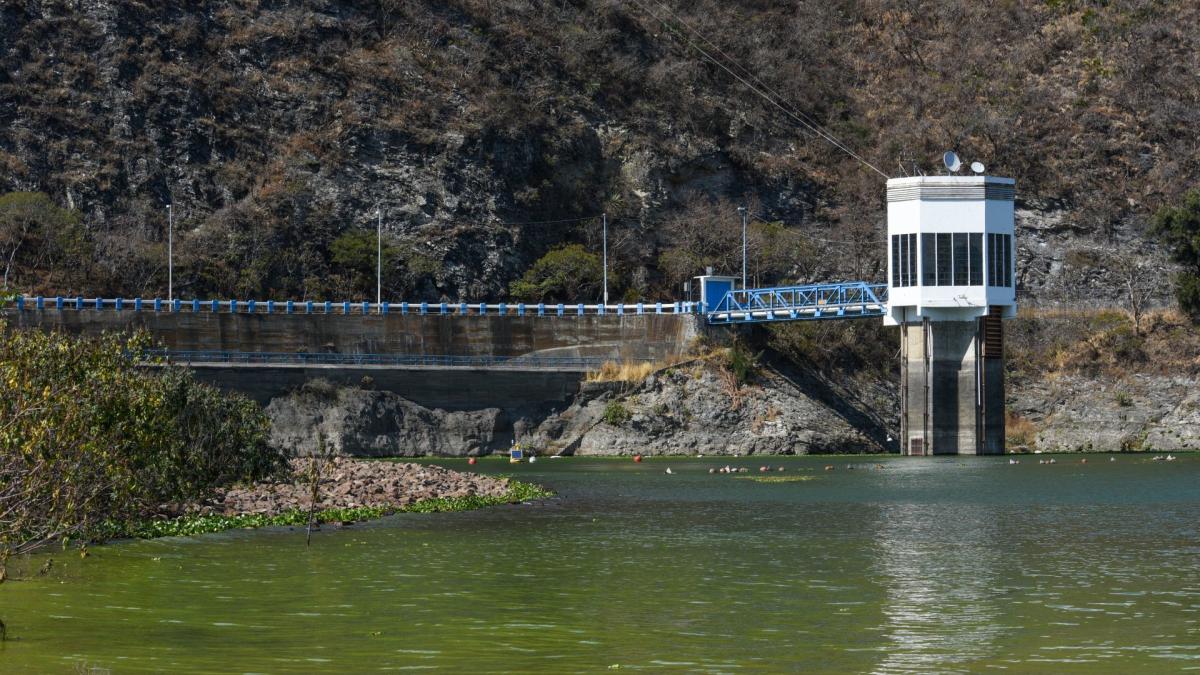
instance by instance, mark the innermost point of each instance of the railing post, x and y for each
(462, 309)
(366, 307)
(58, 302)
(561, 309)
(40, 302)
(658, 308)
(215, 306)
(383, 308)
(291, 307)
(250, 306)
(641, 308)
(541, 309)
(78, 302)
(620, 309)
(308, 306)
(195, 306)
(137, 304)
(328, 307)
(233, 306)
(20, 303)
(520, 309)
(445, 309)
(157, 304)
(503, 309)
(345, 308)
(424, 308)
(580, 311)
(119, 304)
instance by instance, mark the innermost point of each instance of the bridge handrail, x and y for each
(342, 358)
(348, 307)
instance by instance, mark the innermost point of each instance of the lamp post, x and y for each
(170, 253)
(742, 210)
(604, 220)
(379, 259)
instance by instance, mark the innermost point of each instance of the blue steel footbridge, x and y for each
(843, 300)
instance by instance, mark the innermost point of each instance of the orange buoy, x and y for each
(472, 460)
(637, 458)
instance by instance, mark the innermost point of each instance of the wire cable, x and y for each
(794, 114)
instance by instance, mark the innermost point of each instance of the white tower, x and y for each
(951, 279)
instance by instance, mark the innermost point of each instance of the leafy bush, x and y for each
(616, 414)
(567, 274)
(742, 363)
(87, 438)
(1179, 226)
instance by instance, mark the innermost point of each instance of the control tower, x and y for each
(950, 282)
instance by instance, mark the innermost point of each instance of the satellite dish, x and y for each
(977, 167)
(952, 161)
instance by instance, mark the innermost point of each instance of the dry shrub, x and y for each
(629, 371)
(1019, 432)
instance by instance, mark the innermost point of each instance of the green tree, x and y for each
(37, 234)
(355, 253)
(566, 274)
(1179, 226)
(90, 441)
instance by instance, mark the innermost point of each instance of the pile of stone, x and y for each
(351, 483)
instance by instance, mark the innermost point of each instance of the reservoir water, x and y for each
(923, 565)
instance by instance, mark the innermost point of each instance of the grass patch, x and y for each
(777, 479)
(186, 526)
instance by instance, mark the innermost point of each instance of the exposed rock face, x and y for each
(1139, 412)
(366, 423)
(691, 409)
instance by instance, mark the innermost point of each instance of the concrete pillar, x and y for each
(952, 387)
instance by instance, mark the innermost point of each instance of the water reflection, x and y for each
(942, 572)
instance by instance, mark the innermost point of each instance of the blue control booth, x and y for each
(713, 289)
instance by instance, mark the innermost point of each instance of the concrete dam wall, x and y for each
(596, 337)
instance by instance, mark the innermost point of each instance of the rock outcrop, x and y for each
(1137, 412)
(366, 423)
(695, 408)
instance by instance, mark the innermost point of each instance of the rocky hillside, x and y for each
(283, 132)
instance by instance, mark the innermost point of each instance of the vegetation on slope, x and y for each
(277, 129)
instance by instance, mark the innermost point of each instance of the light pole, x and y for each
(379, 259)
(742, 210)
(604, 220)
(170, 253)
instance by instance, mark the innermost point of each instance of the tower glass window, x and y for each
(961, 259)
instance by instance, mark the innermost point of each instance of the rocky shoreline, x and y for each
(347, 483)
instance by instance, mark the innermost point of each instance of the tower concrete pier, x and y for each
(952, 387)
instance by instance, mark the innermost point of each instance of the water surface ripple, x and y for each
(924, 565)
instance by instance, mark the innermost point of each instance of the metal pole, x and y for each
(742, 209)
(170, 253)
(379, 260)
(604, 219)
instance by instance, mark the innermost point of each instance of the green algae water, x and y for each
(924, 565)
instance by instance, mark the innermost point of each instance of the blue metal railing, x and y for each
(313, 358)
(346, 308)
(851, 299)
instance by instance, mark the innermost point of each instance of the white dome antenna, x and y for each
(978, 167)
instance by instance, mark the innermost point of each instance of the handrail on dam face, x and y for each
(571, 363)
(348, 308)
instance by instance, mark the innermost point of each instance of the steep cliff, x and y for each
(282, 132)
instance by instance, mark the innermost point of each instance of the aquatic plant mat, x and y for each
(777, 479)
(202, 524)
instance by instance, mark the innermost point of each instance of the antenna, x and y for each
(951, 160)
(977, 167)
